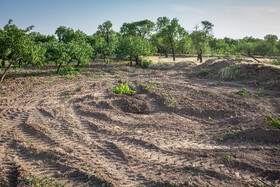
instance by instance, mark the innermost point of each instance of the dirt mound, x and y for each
(134, 104)
(260, 135)
(215, 65)
(261, 75)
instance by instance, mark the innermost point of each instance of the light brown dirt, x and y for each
(75, 130)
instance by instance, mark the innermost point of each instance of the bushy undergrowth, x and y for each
(123, 89)
(145, 63)
(230, 72)
(203, 72)
(70, 70)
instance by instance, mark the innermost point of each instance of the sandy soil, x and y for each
(183, 131)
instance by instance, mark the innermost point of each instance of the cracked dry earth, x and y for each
(77, 132)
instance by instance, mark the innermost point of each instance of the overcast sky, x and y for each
(231, 18)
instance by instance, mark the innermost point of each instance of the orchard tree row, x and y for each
(19, 47)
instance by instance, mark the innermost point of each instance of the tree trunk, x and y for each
(137, 61)
(199, 56)
(5, 72)
(104, 57)
(165, 53)
(130, 61)
(249, 55)
(58, 68)
(173, 53)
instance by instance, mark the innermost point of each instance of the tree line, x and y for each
(20, 47)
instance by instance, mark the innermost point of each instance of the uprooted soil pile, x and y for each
(261, 75)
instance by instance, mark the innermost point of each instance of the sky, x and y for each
(231, 18)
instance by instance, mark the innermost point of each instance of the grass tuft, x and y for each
(230, 72)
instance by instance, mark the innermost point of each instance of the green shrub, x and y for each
(203, 72)
(123, 89)
(68, 70)
(239, 58)
(274, 122)
(229, 72)
(145, 63)
(244, 93)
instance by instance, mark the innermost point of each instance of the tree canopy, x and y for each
(17, 48)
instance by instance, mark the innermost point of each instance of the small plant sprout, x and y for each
(123, 89)
(244, 93)
(172, 101)
(228, 157)
(165, 94)
(150, 87)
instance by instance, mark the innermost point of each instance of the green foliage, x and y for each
(150, 87)
(80, 51)
(172, 101)
(105, 40)
(200, 38)
(239, 58)
(17, 47)
(165, 94)
(275, 123)
(170, 35)
(107, 61)
(139, 28)
(203, 72)
(230, 72)
(228, 157)
(145, 63)
(67, 35)
(123, 89)
(244, 93)
(40, 38)
(133, 47)
(69, 70)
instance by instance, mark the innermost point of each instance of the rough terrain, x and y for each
(179, 129)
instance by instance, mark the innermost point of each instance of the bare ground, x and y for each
(184, 131)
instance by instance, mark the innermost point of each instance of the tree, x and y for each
(59, 53)
(169, 33)
(133, 47)
(140, 28)
(18, 48)
(37, 37)
(67, 35)
(80, 51)
(105, 40)
(200, 38)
